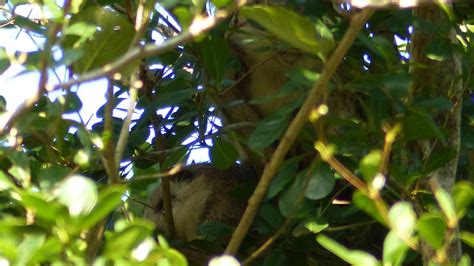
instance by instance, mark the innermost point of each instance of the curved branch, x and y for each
(292, 132)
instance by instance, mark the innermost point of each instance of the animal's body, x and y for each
(200, 193)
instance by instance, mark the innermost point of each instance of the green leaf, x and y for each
(468, 238)
(290, 27)
(394, 249)
(312, 225)
(321, 182)
(21, 167)
(123, 242)
(222, 153)
(78, 193)
(465, 260)
(28, 247)
(221, 3)
(184, 15)
(463, 195)
(439, 50)
(268, 130)
(25, 23)
(432, 228)
(438, 158)
(367, 205)
(291, 202)
(111, 40)
(370, 165)
(109, 199)
(4, 64)
(176, 157)
(166, 257)
(83, 30)
(215, 57)
(419, 125)
(44, 209)
(51, 175)
(356, 257)
(402, 219)
(213, 231)
(270, 214)
(446, 203)
(51, 248)
(284, 176)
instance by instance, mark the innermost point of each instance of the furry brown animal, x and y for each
(200, 193)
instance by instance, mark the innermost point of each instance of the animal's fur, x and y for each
(200, 193)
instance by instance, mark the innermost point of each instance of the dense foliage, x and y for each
(391, 135)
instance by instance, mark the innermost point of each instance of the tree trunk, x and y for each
(440, 78)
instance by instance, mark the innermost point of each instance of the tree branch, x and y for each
(198, 26)
(292, 132)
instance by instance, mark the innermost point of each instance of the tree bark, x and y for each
(440, 78)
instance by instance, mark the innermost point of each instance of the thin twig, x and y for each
(197, 27)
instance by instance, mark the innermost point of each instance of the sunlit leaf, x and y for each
(290, 27)
(394, 249)
(370, 165)
(367, 205)
(402, 219)
(126, 240)
(432, 228)
(27, 248)
(354, 257)
(78, 193)
(468, 238)
(108, 200)
(463, 195)
(111, 39)
(446, 203)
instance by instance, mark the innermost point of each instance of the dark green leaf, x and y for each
(268, 130)
(284, 176)
(215, 56)
(438, 158)
(214, 231)
(270, 214)
(292, 202)
(321, 182)
(29, 25)
(419, 125)
(4, 64)
(222, 153)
